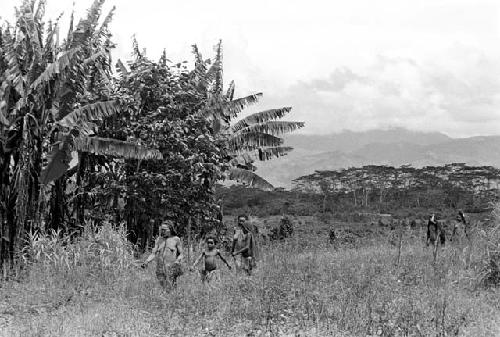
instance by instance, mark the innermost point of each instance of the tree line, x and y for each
(455, 185)
(85, 139)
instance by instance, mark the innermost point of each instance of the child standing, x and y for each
(210, 263)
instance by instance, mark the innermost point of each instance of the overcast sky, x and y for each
(421, 64)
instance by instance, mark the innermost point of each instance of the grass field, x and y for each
(302, 287)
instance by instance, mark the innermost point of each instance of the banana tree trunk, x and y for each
(79, 205)
(57, 204)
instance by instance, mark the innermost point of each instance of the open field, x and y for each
(302, 287)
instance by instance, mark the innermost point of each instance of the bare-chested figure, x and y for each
(210, 260)
(243, 247)
(168, 255)
(435, 231)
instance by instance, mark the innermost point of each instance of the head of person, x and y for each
(210, 242)
(242, 219)
(166, 229)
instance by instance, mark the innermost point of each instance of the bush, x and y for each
(489, 275)
(103, 249)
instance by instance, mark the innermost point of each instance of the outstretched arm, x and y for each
(223, 259)
(152, 255)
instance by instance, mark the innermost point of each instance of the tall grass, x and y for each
(300, 288)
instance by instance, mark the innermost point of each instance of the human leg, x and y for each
(162, 279)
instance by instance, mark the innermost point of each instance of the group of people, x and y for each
(436, 233)
(168, 254)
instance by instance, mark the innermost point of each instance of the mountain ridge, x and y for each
(394, 147)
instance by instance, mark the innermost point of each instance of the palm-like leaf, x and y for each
(120, 68)
(13, 72)
(116, 148)
(261, 154)
(261, 117)
(61, 64)
(58, 163)
(88, 113)
(233, 108)
(249, 178)
(273, 152)
(273, 127)
(252, 141)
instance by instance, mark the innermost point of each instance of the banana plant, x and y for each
(53, 95)
(249, 139)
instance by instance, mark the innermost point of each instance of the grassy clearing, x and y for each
(301, 288)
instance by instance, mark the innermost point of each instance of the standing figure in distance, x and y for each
(435, 231)
(168, 254)
(210, 263)
(243, 246)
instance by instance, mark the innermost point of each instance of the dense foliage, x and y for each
(81, 143)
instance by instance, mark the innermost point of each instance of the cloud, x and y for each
(457, 92)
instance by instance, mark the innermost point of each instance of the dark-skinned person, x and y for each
(168, 254)
(243, 246)
(209, 256)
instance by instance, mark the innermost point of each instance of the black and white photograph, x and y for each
(259, 168)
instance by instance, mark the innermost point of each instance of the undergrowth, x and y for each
(93, 287)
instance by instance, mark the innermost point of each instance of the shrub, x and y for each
(489, 275)
(99, 249)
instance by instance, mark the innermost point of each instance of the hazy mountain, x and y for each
(393, 147)
(348, 141)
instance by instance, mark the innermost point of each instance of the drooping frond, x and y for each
(260, 154)
(250, 141)
(13, 72)
(249, 178)
(261, 117)
(63, 62)
(88, 113)
(120, 68)
(116, 148)
(273, 127)
(273, 152)
(58, 163)
(233, 108)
